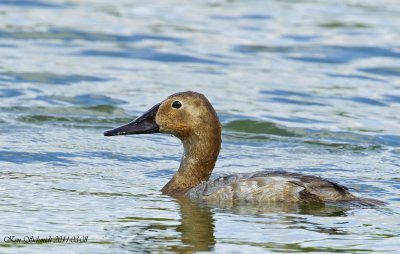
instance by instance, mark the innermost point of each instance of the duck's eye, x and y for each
(176, 104)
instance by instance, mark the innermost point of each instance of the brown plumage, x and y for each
(190, 117)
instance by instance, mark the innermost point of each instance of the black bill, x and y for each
(142, 125)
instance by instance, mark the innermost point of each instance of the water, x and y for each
(304, 86)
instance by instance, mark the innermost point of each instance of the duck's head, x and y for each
(190, 117)
(182, 114)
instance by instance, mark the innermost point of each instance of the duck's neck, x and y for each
(200, 154)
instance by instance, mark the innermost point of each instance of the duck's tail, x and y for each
(365, 203)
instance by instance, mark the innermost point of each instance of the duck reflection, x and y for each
(197, 223)
(197, 226)
(194, 231)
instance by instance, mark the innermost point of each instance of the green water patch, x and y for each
(101, 242)
(259, 127)
(89, 116)
(340, 24)
(103, 108)
(95, 110)
(341, 140)
(333, 141)
(255, 48)
(100, 194)
(343, 146)
(60, 119)
(135, 219)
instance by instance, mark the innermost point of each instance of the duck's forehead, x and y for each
(186, 99)
(191, 105)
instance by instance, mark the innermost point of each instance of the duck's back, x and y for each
(274, 187)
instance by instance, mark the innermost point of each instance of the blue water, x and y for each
(303, 86)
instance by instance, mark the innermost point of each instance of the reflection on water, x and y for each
(314, 209)
(197, 226)
(194, 230)
(302, 86)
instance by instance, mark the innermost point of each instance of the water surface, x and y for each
(303, 86)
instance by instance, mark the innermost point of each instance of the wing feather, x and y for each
(275, 186)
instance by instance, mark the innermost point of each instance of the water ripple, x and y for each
(250, 129)
(382, 71)
(47, 77)
(82, 99)
(150, 54)
(65, 34)
(345, 54)
(31, 3)
(315, 94)
(9, 92)
(53, 158)
(368, 101)
(296, 102)
(353, 76)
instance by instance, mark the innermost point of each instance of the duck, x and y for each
(190, 117)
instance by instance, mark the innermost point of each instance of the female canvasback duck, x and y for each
(190, 117)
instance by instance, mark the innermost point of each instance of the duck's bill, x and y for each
(142, 125)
